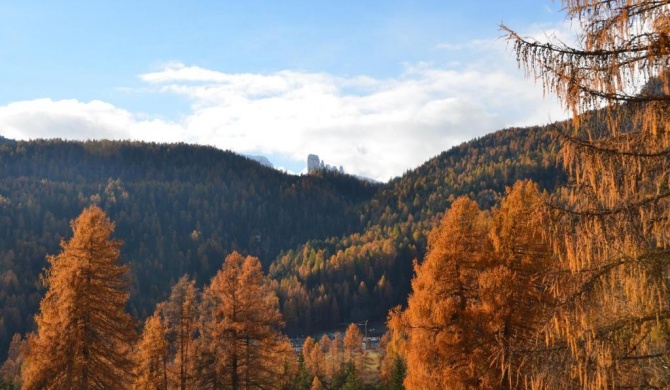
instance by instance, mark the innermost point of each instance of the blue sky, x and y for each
(376, 86)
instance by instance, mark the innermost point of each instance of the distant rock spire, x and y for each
(313, 163)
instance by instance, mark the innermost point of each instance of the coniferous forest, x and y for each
(530, 258)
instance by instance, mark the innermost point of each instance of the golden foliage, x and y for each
(240, 345)
(479, 298)
(609, 230)
(623, 43)
(441, 336)
(83, 333)
(316, 384)
(179, 317)
(151, 356)
(353, 342)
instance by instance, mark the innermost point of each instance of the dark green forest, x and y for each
(337, 249)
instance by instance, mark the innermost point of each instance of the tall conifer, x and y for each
(151, 356)
(241, 347)
(610, 230)
(179, 317)
(83, 332)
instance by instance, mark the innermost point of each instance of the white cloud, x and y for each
(373, 127)
(71, 119)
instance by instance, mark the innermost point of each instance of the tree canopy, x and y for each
(478, 300)
(83, 334)
(609, 227)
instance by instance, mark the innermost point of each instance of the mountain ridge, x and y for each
(182, 208)
(361, 276)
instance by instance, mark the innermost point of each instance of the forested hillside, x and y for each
(358, 277)
(178, 209)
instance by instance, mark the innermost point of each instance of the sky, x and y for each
(378, 87)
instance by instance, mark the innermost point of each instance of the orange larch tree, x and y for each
(515, 302)
(83, 335)
(353, 343)
(151, 356)
(179, 314)
(442, 338)
(610, 226)
(239, 328)
(11, 368)
(479, 299)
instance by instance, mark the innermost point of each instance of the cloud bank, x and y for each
(377, 128)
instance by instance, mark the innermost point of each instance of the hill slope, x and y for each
(361, 276)
(338, 249)
(177, 208)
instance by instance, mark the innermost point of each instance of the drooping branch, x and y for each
(611, 211)
(563, 137)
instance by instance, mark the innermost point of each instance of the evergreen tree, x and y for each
(303, 378)
(392, 368)
(398, 374)
(83, 332)
(353, 380)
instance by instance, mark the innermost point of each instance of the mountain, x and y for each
(360, 276)
(178, 209)
(262, 160)
(337, 248)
